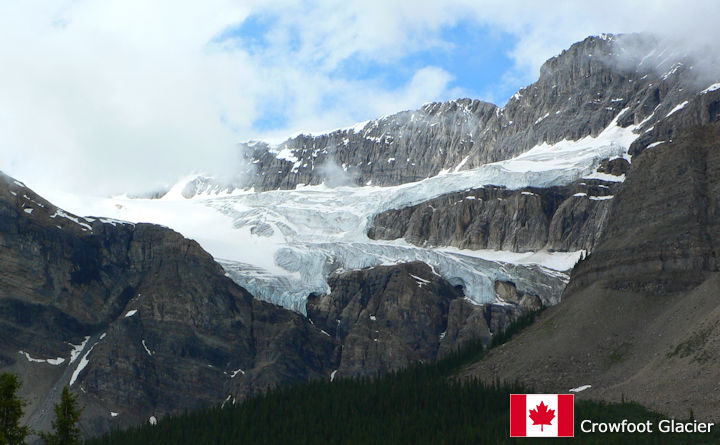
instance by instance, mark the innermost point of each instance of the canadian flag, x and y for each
(542, 415)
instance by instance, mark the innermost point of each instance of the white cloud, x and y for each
(128, 94)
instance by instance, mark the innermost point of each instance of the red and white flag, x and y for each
(542, 415)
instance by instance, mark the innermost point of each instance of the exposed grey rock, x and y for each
(159, 328)
(386, 317)
(701, 109)
(617, 166)
(662, 234)
(578, 94)
(166, 329)
(508, 292)
(556, 218)
(639, 319)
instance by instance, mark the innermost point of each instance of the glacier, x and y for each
(282, 245)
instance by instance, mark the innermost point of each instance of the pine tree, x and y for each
(67, 415)
(11, 410)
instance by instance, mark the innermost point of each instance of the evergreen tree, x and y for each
(67, 415)
(11, 410)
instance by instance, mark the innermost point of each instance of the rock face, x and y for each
(640, 316)
(157, 325)
(578, 94)
(388, 316)
(664, 226)
(557, 218)
(141, 322)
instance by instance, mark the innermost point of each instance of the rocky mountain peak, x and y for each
(630, 78)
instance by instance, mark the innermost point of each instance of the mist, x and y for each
(334, 175)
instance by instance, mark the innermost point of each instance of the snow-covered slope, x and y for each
(281, 245)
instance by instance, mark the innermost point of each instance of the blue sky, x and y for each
(475, 56)
(123, 95)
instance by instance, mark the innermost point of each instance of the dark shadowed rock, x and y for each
(388, 316)
(556, 218)
(163, 328)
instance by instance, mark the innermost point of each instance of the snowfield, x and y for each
(282, 245)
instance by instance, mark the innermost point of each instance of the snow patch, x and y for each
(713, 87)
(420, 281)
(332, 375)
(77, 349)
(677, 108)
(28, 210)
(131, 313)
(655, 144)
(49, 361)
(234, 373)
(83, 363)
(114, 414)
(541, 118)
(152, 420)
(287, 155)
(607, 177)
(149, 352)
(62, 214)
(580, 388)
(461, 164)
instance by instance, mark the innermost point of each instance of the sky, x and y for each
(111, 96)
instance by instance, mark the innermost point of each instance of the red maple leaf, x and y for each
(541, 415)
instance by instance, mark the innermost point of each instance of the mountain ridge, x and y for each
(145, 322)
(577, 94)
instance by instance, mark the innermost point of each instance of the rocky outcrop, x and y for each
(557, 218)
(640, 316)
(662, 234)
(388, 316)
(578, 94)
(700, 109)
(138, 320)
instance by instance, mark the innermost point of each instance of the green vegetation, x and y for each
(11, 411)
(67, 415)
(694, 345)
(422, 404)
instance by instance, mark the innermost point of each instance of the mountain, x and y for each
(397, 241)
(142, 323)
(578, 94)
(536, 177)
(560, 218)
(138, 319)
(639, 316)
(608, 155)
(418, 405)
(389, 316)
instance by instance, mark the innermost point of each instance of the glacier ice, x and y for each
(281, 245)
